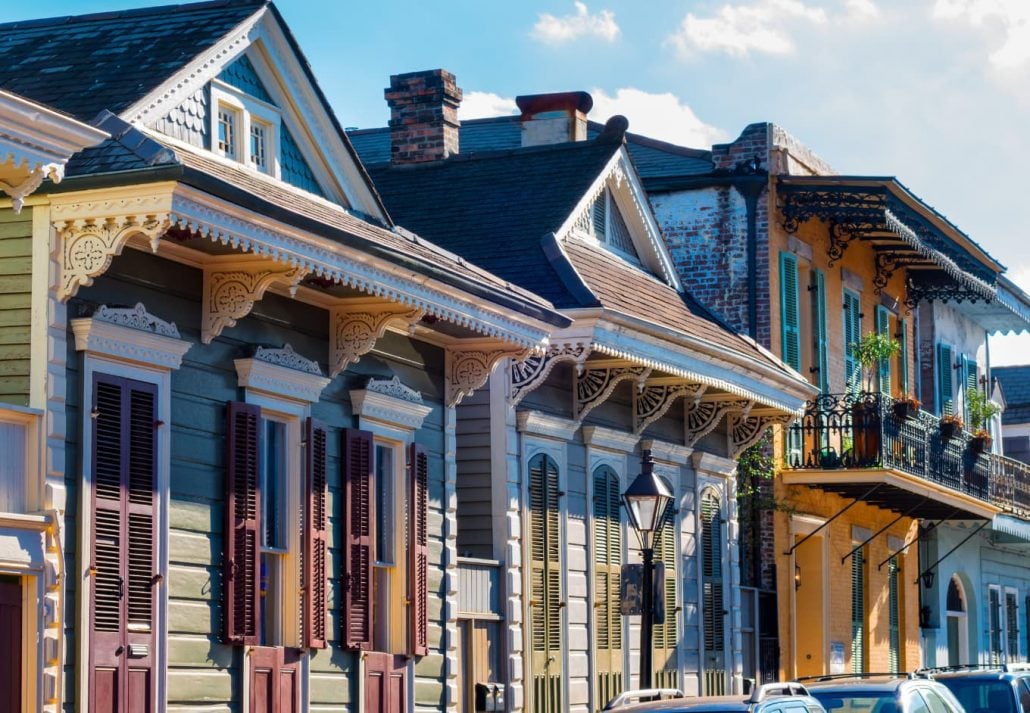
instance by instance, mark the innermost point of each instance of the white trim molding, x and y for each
(666, 452)
(231, 287)
(537, 423)
(356, 324)
(711, 464)
(469, 365)
(391, 401)
(532, 371)
(130, 334)
(610, 439)
(282, 373)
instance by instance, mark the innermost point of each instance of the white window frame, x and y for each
(392, 575)
(249, 110)
(1001, 621)
(962, 620)
(32, 478)
(1010, 656)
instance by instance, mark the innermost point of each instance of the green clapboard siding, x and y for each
(15, 305)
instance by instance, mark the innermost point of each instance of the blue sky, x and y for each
(936, 92)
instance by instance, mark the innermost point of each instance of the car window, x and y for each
(982, 696)
(1024, 695)
(914, 703)
(933, 699)
(854, 701)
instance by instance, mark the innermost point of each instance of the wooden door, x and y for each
(274, 680)
(122, 549)
(385, 683)
(10, 643)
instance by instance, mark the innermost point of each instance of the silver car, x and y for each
(768, 698)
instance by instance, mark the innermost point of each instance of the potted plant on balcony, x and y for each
(981, 410)
(906, 406)
(872, 350)
(951, 425)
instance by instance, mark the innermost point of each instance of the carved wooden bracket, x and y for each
(745, 430)
(89, 245)
(355, 326)
(701, 416)
(232, 288)
(596, 384)
(532, 371)
(468, 368)
(655, 400)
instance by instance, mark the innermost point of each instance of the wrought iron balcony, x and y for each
(870, 430)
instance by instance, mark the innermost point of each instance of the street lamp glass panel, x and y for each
(647, 499)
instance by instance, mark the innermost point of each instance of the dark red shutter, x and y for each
(123, 539)
(359, 483)
(315, 535)
(242, 512)
(385, 683)
(274, 680)
(418, 549)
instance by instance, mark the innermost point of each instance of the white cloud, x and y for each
(480, 105)
(659, 116)
(557, 30)
(861, 9)
(1013, 16)
(739, 30)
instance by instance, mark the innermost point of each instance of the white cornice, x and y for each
(282, 372)
(149, 346)
(713, 464)
(390, 401)
(542, 424)
(610, 439)
(667, 452)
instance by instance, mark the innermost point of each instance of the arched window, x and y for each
(957, 626)
(607, 567)
(545, 563)
(712, 594)
(666, 635)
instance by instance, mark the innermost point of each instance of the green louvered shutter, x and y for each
(852, 335)
(883, 328)
(893, 616)
(858, 612)
(970, 380)
(994, 624)
(666, 635)
(545, 584)
(1011, 627)
(822, 361)
(945, 385)
(607, 569)
(903, 356)
(789, 315)
(712, 603)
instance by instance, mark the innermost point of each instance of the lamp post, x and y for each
(646, 499)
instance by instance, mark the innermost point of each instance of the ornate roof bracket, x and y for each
(469, 365)
(654, 401)
(232, 287)
(597, 383)
(746, 430)
(88, 245)
(890, 261)
(942, 290)
(702, 416)
(532, 371)
(356, 325)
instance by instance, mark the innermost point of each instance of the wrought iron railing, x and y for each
(869, 430)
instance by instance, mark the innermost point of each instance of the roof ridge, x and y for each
(493, 154)
(131, 12)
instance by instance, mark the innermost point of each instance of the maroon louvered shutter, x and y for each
(418, 549)
(315, 535)
(357, 543)
(124, 505)
(242, 512)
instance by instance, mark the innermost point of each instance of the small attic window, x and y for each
(246, 129)
(604, 223)
(228, 120)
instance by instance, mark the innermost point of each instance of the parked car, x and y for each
(1002, 689)
(768, 698)
(882, 693)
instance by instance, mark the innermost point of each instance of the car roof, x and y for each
(705, 703)
(883, 684)
(982, 675)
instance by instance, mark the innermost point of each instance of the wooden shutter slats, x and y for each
(359, 482)
(789, 311)
(819, 327)
(883, 328)
(945, 384)
(242, 496)
(316, 533)
(418, 549)
(107, 559)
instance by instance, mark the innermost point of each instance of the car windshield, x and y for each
(857, 701)
(982, 696)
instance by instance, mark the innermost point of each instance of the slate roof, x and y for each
(501, 209)
(1015, 385)
(86, 63)
(651, 158)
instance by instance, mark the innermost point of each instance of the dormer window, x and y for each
(604, 223)
(246, 129)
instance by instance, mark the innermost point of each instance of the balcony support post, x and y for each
(843, 510)
(882, 530)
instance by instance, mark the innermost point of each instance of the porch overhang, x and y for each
(1009, 530)
(899, 492)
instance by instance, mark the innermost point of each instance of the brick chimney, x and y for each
(423, 116)
(554, 118)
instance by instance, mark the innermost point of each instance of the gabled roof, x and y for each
(83, 64)
(1015, 385)
(651, 158)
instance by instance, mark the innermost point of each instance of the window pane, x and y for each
(257, 146)
(227, 132)
(273, 480)
(12, 467)
(385, 505)
(271, 598)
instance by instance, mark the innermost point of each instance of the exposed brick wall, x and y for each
(423, 116)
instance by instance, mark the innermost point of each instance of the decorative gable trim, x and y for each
(282, 372)
(130, 334)
(391, 401)
(631, 199)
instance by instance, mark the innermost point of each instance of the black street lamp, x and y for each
(647, 498)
